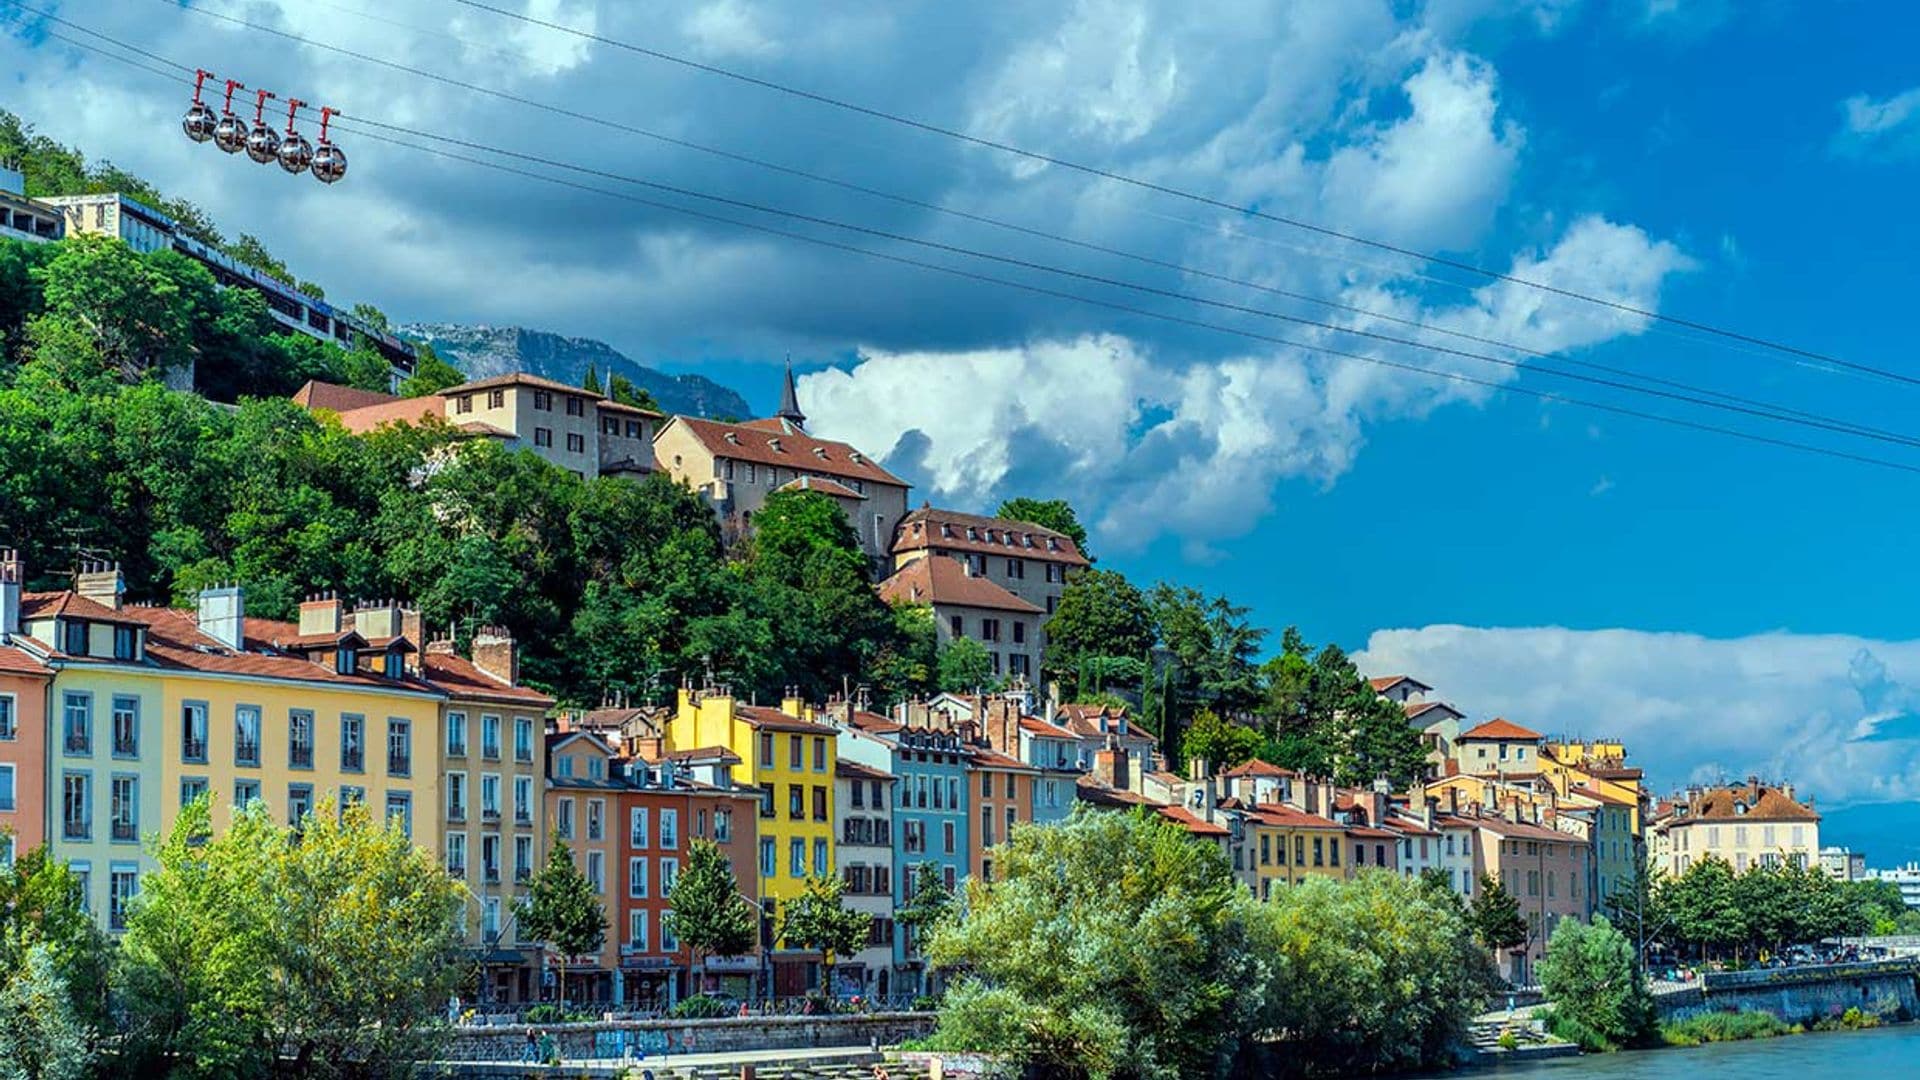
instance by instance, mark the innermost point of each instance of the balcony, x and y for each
(76, 830)
(491, 873)
(490, 751)
(246, 753)
(300, 757)
(457, 812)
(491, 813)
(125, 831)
(352, 760)
(523, 816)
(125, 745)
(78, 743)
(399, 764)
(194, 750)
(523, 873)
(523, 755)
(457, 867)
(457, 748)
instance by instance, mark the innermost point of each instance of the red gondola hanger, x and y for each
(199, 121)
(230, 134)
(329, 161)
(295, 152)
(263, 145)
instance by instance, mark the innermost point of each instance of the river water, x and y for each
(1855, 1055)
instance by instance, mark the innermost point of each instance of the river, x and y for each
(1859, 1055)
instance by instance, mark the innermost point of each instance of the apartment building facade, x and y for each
(863, 812)
(1027, 560)
(582, 795)
(966, 604)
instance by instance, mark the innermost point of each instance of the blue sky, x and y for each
(1745, 165)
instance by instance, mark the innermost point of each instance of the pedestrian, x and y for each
(530, 1053)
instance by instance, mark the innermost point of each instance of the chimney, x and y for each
(223, 615)
(1110, 768)
(1377, 801)
(494, 653)
(444, 647)
(1310, 796)
(1428, 807)
(13, 577)
(320, 614)
(792, 704)
(101, 582)
(380, 619)
(1197, 770)
(1453, 801)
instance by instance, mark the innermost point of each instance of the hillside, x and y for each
(483, 351)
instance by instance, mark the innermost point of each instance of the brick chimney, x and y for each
(1428, 807)
(320, 614)
(13, 577)
(101, 582)
(377, 619)
(1377, 801)
(495, 653)
(223, 613)
(1110, 767)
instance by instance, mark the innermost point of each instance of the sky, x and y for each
(1728, 606)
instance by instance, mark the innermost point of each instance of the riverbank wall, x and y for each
(1802, 995)
(611, 1039)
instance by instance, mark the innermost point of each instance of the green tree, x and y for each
(562, 909)
(591, 380)
(265, 951)
(249, 250)
(1055, 514)
(818, 920)
(1376, 974)
(1494, 917)
(135, 313)
(372, 316)
(1598, 992)
(908, 665)
(1703, 907)
(1101, 614)
(430, 375)
(1071, 968)
(42, 1036)
(965, 667)
(928, 906)
(41, 909)
(365, 369)
(1637, 906)
(709, 915)
(1221, 743)
(621, 389)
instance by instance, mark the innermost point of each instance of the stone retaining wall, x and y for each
(726, 1035)
(1796, 995)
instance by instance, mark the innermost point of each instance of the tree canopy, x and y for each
(1055, 514)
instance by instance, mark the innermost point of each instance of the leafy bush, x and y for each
(556, 1014)
(1508, 1041)
(702, 1007)
(926, 1003)
(1726, 1027)
(1601, 1000)
(1854, 1019)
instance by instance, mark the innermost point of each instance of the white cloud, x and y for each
(727, 28)
(1601, 486)
(1833, 714)
(1890, 125)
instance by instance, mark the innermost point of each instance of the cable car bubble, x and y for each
(230, 134)
(329, 161)
(199, 121)
(296, 153)
(263, 144)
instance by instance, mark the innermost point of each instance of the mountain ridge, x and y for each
(482, 350)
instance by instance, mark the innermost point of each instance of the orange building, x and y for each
(23, 751)
(1003, 789)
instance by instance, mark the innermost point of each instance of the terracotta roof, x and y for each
(853, 770)
(822, 485)
(1409, 826)
(394, 411)
(769, 719)
(1288, 817)
(1623, 773)
(1414, 709)
(873, 723)
(1522, 830)
(984, 757)
(1088, 791)
(325, 395)
(1500, 729)
(1033, 725)
(1598, 796)
(755, 442)
(610, 405)
(17, 662)
(1256, 767)
(521, 378)
(1192, 822)
(704, 755)
(1763, 803)
(1368, 833)
(939, 580)
(1387, 682)
(929, 528)
(68, 602)
(1084, 721)
(461, 678)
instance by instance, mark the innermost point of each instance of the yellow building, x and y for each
(1599, 766)
(1288, 845)
(154, 706)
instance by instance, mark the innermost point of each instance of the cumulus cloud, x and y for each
(1833, 714)
(1880, 126)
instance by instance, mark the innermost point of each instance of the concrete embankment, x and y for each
(1800, 995)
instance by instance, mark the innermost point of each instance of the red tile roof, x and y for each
(325, 395)
(1192, 822)
(935, 579)
(873, 723)
(984, 757)
(1256, 767)
(1409, 826)
(1387, 682)
(1288, 817)
(1522, 830)
(853, 770)
(1598, 796)
(796, 450)
(461, 678)
(822, 485)
(930, 528)
(769, 719)
(367, 418)
(1500, 729)
(1370, 833)
(1033, 725)
(57, 604)
(17, 662)
(610, 405)
(1087, 790)
(1414, 709)
(1084, 721)
(1763, 803)
(521, 378)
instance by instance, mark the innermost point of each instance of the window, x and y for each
(635, 430)
(637, 878)
(399, 746)
(75, 638)
(457, 796)
(78, 723)
(456, 734)
(767, 867)
(576, 406)
(796, 753)
(83, 884)
(246, 735)
(1019, 632)
(669, 829)
(596, 819)
(126, 726)
(819, 754)
(457, 854)
(76, 806)
(596, 768)
(523, 800)
(597, 870)
(990, 629)
(958, 625)
(637, 930)
(637, 827)
(247, 792)
(464, 403)
(300, 803)
(668, 943)
(819, 857)
(300, 739)
(946, 835)
(490, 918)
(859, 795)
(490, 797)
(523, 858)
(796, 802)
(986, 785)
(669, 873)
(819, 803)
(565, 766)
(490, 858)
(6, 787)
(523, 738)
(126, 643)
(9, 729)
(797, 862)
(543, 436)
(986, 826)
(124, 793)
(723, 826)
(123, 884)
(576, 442)
(610, 425)
(543, 400)
(191, 788)
(490, 737)
(353, 742)
(496, 399)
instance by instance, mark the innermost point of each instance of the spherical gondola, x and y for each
(263, 143)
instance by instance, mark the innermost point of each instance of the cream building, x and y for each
(1748, 825)
(966, 605)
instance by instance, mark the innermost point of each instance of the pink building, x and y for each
(23, 726)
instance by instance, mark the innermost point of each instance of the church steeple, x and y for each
(790, 402)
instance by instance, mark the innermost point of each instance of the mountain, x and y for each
(485, 351)
(1889, 833)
